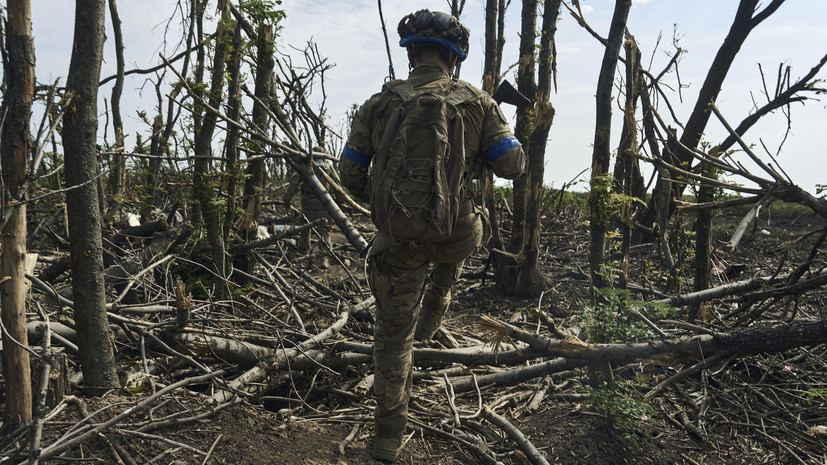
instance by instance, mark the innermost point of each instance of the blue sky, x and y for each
(348, 33)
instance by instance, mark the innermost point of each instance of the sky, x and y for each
(348, 33)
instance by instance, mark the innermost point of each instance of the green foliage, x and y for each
(613, 319)
(780, 208)
(620, 407)
(777, 208)
(604, 203)
(821, 188)
(263, 11)
(242, 291)
(816, 396)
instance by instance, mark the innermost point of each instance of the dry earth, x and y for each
(758, 409)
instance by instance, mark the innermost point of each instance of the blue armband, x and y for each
(356, 157)
(501, 148)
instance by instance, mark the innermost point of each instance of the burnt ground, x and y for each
(768, 408)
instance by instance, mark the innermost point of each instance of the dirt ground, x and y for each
(757, 409)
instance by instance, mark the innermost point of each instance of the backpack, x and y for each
(418, 176)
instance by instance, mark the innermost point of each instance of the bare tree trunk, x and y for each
(490, 70)
(152, 176)
(627, 171)
(17, 107)
(231, 149)
(600, 188)
(254, 181)
(205, 192)
(600, 372)
(530, 281)
(508, 263)
(490, 80)
(86, 250)
(518, 271)
(198, 113)
(703, 249)
(117, 180)
(527, 85)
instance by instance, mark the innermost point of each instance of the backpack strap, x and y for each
(461, 93)
(403, 89)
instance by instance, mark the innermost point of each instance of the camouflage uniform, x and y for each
(398, 270)
(311, 206)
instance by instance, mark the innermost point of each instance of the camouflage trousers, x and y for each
(397, 275)
(313, 209)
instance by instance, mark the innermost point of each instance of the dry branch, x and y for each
(276, 362)
(744, 341)
(534, 456)
(57, 448)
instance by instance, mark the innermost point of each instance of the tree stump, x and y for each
(58, 385)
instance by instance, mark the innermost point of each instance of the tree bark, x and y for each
(82, 204)
(703, 246)
(490, 80)
(527, 85)
(627, 170)
(231, 144)
(530, 280)
(742, 341)
(602, 151)
(508, 263)
(490, 72)
(254, 179)
(205, 191)
(117, 180)
(17, 107)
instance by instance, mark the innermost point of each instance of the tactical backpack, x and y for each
(418, 176)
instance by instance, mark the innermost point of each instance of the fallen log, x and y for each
(512, 376)
(742, 341)
(247, 354)
(468, 356)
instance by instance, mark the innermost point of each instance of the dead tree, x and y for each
(490, 81)
(628, 183)
(520, 274)
(600, 182)
(746, 19)
(255, 170)
(82, 204)
(204, 188)
(14, 151)
(117, 181)
(527, 85)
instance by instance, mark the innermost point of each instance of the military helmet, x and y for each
(436, 28)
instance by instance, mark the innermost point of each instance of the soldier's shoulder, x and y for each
(468, 93)
(470, 87)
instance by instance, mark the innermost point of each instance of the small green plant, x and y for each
(619, 406)
(614, 319)
(604, 202)
(816, 396)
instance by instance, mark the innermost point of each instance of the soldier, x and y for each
(398, 270)
(311, 206)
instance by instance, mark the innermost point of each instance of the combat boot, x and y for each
(388, 439)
